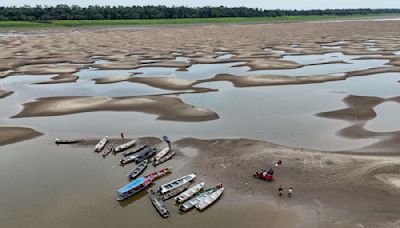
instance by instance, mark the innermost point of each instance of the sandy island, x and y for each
(10, 135)
(164, 107)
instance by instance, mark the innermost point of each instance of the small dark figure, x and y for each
(280, 189)
(219, 185)
(278, 163)
(122, 136)
(290, 191)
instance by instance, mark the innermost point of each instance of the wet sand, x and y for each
(356, 188)
(10, 135)
(5, 93)
(164, 107)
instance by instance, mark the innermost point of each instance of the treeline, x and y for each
(65, 12)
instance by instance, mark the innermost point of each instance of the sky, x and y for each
(266, 4)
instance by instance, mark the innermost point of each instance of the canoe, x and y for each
(163, 159)
(159, 204)
(161, 154)
(134, 151)
(124, 146)
(133, 187)
(101, 144)
(175, 192)
(108, 151)
(139, 156)
(209, 199)
(189, 204)
(159, 173)
(60, 141)
(189, 193)
(137, 170)
(176, 183)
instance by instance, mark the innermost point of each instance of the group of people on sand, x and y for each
(290, 191)
(280, 189)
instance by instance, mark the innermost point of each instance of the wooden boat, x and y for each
(175, 192)
(134, 151)
(137, 170)
(163, 159)
(161, 154)
(209, 199)
(159, 173)
(139, 156)
(101, 144)
(72, 141)
(189, 204)
(189, 193)
(133, 187)
(176, 183)
(108, 151)
(124, 146)
(159, 204)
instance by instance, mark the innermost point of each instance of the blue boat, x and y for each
(133, 187)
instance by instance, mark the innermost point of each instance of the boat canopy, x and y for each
(132, 185)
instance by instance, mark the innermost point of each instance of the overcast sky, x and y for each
(266, 4)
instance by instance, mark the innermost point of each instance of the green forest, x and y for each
(65, 12)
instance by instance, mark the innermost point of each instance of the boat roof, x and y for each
(132, 185)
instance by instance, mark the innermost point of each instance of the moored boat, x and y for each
(189, 204)
(159, 204)
(176, 183)
(134, 151)
(133, 187)
(124, 146)
(138, 169)
(102, 143)
(161, 154)
(163, 159)
(175, 192)
(139, 156)
(209, 199)
(159, 173)
(108, 151)
(189, 193)
(72, 141)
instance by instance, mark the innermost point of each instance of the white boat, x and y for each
(101, 144)
(161, 154)
(196, 199)
(176, 183)
(189, 193)
(124, 146)
(210, 199)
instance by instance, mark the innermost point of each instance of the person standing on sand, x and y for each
(290, 191)
(122, 136)
(280, 189)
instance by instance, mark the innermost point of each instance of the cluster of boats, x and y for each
(187, 197)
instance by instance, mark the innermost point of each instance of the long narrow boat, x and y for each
(189, 193)
(139, 156)
(124, 146)
(134, 151)
(175, 192)
(196, 199)
(139, 184)
(176, 183)
(133, 187)
(159, 173)
(101, 144)
(159, 204)
(161, 154)
(139, 168)
(108, 151)
(209, 199)
(72, 141)
(163, 159)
